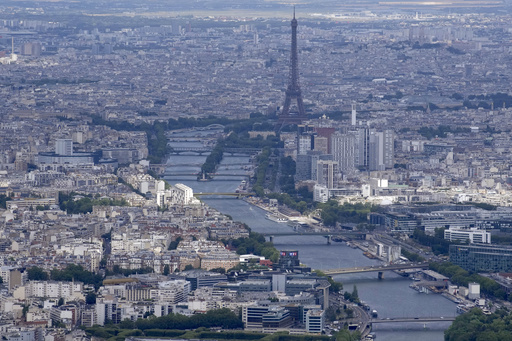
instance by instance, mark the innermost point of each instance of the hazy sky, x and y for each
(260, 8)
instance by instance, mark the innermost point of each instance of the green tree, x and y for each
(36, 274)
(3, 200)
(349, 312)
(330, 314)
(223, 318)
(219, 270)
(174, 244)
(332, 212)
(335, 287)
(24, 311)
(355, 294)
(345, 335)
(460, 276)
(257, 245)
(127, 324)
(77, 273)
(90, 298)
(60, 302)
(475, 325)
(166, 270)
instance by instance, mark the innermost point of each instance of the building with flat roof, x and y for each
(315, 321)
(276, 318)
(64, 147)
(474, 235)
(200, 279)
(288, 260)
(482, 258)
(29, 203)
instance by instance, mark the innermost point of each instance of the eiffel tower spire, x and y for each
(293, 91)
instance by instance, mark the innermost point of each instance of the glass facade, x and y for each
(480, 258)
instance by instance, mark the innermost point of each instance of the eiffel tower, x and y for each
(293, 91)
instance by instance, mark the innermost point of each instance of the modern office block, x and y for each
(482, 258)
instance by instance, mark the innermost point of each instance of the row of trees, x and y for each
(117, 270)
(202, 333)
(441, 131)
(213, 160)
(287, 179)
(243, 140)
(84, 205)
(263, 161)
(413, 257)
(499, 99)
(333, 213)
(255, 244)
(70, 273)
(439, 245)
(298, 199)
(223, 318)
(288, 200)
(158, 148)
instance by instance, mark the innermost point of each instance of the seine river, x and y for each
(391, 297)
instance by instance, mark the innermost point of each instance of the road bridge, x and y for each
(376, 268)
(199, 164)
(249, 151)
(415, 319)
(190, 139)
(182, 174)
(234, 164)
(231, 175)
(231, 194)
(192, 129)
(158, 168)
(244, 175)
(201, 150)
(328, 235)
(194, 164)
(291, 233)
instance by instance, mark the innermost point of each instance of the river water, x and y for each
(391, 296)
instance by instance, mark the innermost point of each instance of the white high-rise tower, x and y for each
(14, 57)
(343, 150)
(64, 147)
(354, 114)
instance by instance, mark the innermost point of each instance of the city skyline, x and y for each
(216, 157)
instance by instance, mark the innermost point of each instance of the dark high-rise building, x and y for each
(293, 91)
(288, 260)
(482, 258)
